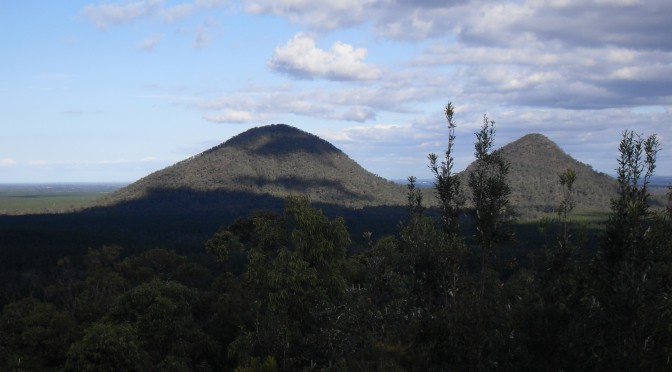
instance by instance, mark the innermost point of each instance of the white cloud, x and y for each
(635, 25)
(316, 14)
(397, 93)
(210, 3)
(230, 116)
(106, 15)
(114, 14)
(177, 12)
(355, 113)
(547, 75)
(7, 162)
(619, 2)
(301, 58)
(374, 133)
(149, 43)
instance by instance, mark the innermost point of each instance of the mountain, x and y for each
(536, 163)
(257, 167)
(260, 167)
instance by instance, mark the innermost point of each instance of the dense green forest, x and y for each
(286, 291)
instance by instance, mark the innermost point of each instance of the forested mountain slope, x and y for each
(535, 164)
(271, 161)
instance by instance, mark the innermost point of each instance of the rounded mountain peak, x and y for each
(273, 161)
(533, 140)
(278, 140)
(535, 163)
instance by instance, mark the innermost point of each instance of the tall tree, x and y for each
(630, 273)
(447, 183)
(490, 192)
(636, 165)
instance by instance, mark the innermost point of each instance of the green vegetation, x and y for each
(297, 287)
(50, 198)
(274, 161)
(535, 190)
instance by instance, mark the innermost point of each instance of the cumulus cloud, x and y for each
(569, 53)
(7, 162)
(106, 15)
(301, 58)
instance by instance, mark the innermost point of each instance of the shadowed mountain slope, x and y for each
(268, 162)
(536, 163)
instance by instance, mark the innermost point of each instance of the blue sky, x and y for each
(99, 91)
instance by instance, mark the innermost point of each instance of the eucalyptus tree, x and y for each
(632, 294)
(489, 193)
(630, 208)
(447, 183)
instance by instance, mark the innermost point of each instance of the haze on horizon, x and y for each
(108, 91)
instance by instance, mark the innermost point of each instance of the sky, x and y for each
(110, 91)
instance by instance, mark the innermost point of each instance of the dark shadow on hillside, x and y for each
(180, 220)
(183, 220)
(281, 139)
(184, 201)
(289, 144)
(300, 185)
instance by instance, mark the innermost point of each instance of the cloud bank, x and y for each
(578, 71)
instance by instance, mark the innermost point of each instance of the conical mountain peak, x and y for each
(277, 140)
(533, 142)
(273, 161)
(535, 165)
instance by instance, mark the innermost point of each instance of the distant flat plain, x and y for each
(31, 198)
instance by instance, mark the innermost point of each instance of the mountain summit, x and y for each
(536, 163)
(271, 161)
